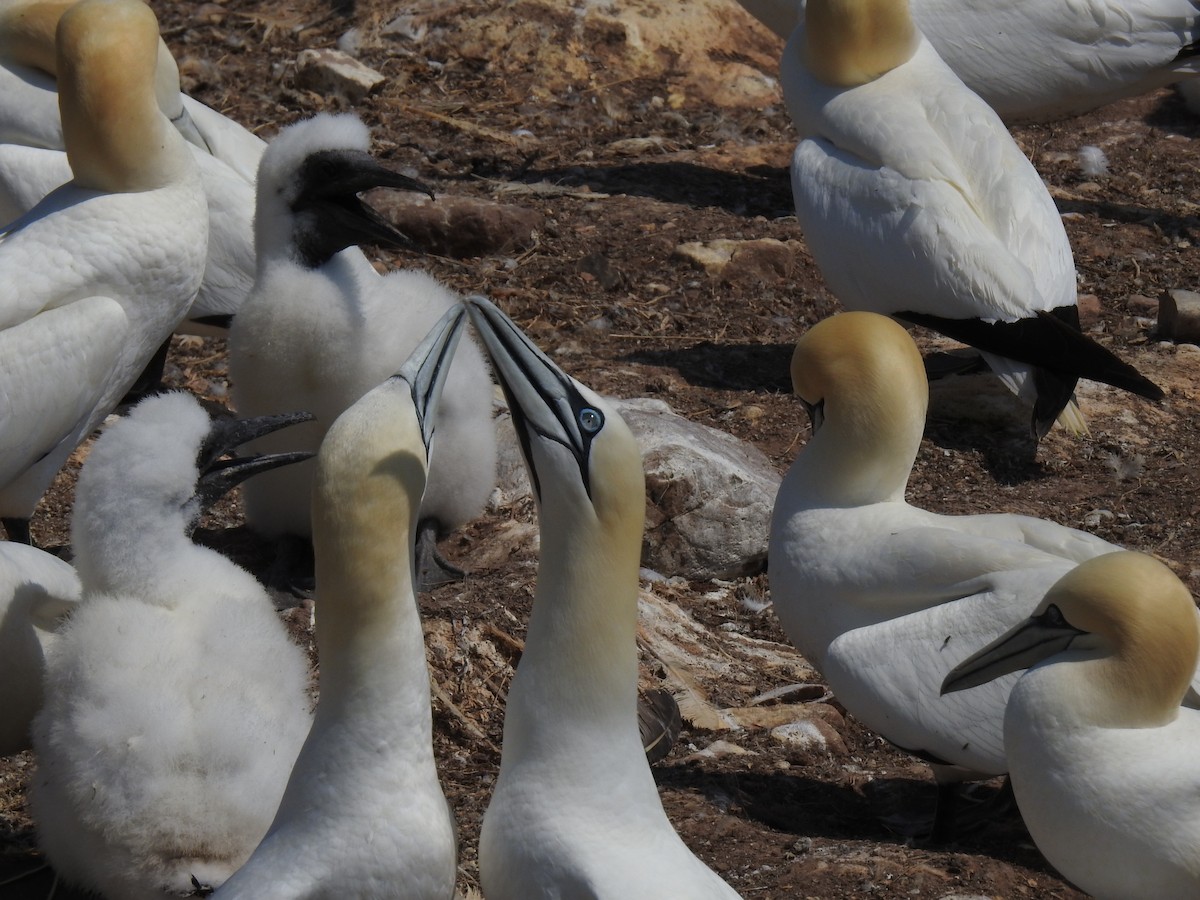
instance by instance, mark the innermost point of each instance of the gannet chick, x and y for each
(100, 271)
(1102, 755)
(575, 812)
(321, 327)
(36, 591)
(879, 595)
(32, 163)
(363, 814)
(1039, 60)
(175, 701)
(916, 202)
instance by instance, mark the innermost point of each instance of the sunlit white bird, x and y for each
(916, 202)
(98, 274)
(175, 702)
(1101, 752)
(32, 162)
(364, 814)
(882, 597)
(576, 812)
(37, 591)
(1040, 60)
(321, 327)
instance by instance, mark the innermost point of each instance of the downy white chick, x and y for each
(175, 703)
(363, 814)
(576, 812)
(321, 327)
(96, 276)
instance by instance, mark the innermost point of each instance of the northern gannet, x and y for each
(1101, 753)
(321, 327)
(175, 702)
(363, 814)
(1040, 60)
(98, 274)
(36, 591)
(880, 596)
(576, 812)
(32, 163)
(916, 202)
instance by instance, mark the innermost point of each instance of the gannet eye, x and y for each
(590, 420)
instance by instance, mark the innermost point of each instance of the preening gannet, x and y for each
(575, 811)
(32, 162)
(363, 814)
(175, 703)
(916, 202)
(880, 596)
(321, 327)
(1101, 753)
(98, 274)
(36, 591)
(1040, 60)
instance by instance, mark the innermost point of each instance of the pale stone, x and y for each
(334, 72)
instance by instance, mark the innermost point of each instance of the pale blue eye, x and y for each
(590, 420)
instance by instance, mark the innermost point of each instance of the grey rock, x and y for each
(334, 72)
(1179, 316)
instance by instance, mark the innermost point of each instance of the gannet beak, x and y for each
(544, 401)
(186, 126)
(427, 366)
(334, 179)
(219, 476)
(1035, 639)
(816, 413)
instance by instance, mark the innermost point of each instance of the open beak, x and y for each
(219, 475)
(428, 365)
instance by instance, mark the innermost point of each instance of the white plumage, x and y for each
(1101, 753)
(318, 333)
(98, 274)
(364, 815)
(882, 597)
(576, 812)
(36, 591)
(1040, 60)
(915, 201)
(175, 701)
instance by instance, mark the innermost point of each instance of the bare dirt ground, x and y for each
(621, 172)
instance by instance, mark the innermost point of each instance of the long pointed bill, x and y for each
(544, 400)
(1027, 644)
(226, 434)
(428, 365)
(226, 474)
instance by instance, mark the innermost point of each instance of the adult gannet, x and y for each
(321, 327)
(363, 814)
(1040, 60)
(1102, 756)
(916, 202)
(576, 812)
(36, 591)
(175, 703)
(32, 162)
(98, 274)
(881, 596)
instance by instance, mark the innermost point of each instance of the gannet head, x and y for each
(150, 474)
(308, 185)
(1122, 607)
(371, 474)
(862, 380)
(850, 42)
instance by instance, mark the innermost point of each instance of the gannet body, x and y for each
(576, 812)
(175, 703)
(1101, 753)
(30, 132)
(102, 269)
(36, 591)
(916, 202)
(364, 814)
(1040, 60)
(321, 327)
(882, 596)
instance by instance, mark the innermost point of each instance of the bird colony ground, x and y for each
(598, 164)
